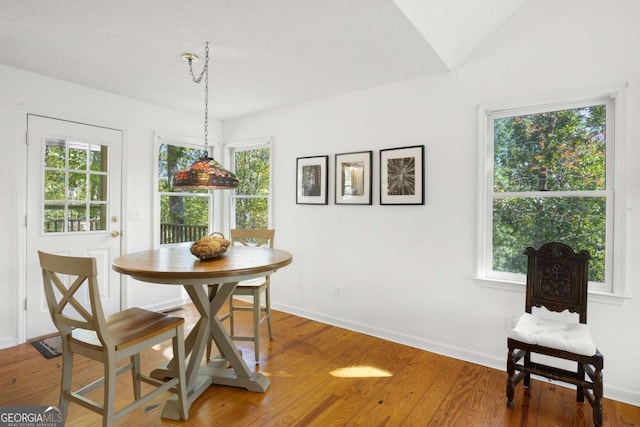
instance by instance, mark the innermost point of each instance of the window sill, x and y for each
(513, 286)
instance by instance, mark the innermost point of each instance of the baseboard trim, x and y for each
(613, 392)
(167, 304)
(6, 342)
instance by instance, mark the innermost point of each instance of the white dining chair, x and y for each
(86, 331)
(254, 288)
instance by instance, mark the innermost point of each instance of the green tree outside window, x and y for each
(184, 216)
(548, 185)
(251, 198)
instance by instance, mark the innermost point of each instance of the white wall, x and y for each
(22, 93)
(407, 271)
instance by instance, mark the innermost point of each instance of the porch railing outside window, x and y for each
(176, 233)
(57, 225)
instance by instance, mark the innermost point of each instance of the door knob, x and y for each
(115, 234)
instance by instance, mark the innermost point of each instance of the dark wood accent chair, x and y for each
(557, 279)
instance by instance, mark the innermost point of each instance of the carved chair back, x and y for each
(557, 279)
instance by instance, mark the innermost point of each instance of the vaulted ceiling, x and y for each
(265, 54)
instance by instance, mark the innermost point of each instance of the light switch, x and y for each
(135, 215)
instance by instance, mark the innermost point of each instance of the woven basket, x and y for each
(211, 246)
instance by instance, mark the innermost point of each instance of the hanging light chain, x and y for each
(197, 80)
(203, 174)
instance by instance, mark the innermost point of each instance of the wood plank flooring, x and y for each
(324, 376)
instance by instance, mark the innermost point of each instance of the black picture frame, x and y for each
(402, 176)
(312, 180)
(353, 178)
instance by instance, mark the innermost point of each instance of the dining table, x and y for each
(209, 283)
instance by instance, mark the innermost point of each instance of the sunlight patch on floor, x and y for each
(360, 372)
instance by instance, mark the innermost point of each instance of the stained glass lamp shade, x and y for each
(205, 174)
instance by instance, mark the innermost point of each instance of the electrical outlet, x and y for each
(337, 291)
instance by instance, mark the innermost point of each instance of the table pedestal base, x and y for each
(209, 284)
(171, 410)
(215, 372)
(223, 376)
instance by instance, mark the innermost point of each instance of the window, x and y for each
(184, 216)
(251, 201)
(75, 186)
(548, 175)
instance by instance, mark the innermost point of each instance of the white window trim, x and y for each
(215, 208)
(618, 293)
(250, 144)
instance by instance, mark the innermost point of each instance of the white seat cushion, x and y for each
(573, 337)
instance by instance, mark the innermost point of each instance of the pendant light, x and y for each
(205, 173)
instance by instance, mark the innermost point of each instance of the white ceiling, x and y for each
(265, 54)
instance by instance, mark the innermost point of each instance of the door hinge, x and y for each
(25, 221)
(25, 304)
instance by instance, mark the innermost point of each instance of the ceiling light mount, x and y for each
(190, 57)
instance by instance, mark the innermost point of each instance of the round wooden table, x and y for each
(176, 265)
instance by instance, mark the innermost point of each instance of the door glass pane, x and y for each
(98, 217)
(54, 218)
(54, 153)
(54, 185)
(77, 189)
(78, 156)
(75, 175)
(98, 158)
(77, 217)
(98, 187)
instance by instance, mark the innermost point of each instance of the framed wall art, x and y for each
(312, 180)
(353, 178)
(402, 176)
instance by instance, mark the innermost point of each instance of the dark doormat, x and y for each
(49, 347)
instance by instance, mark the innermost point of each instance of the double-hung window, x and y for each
(547, 174)
(251, 203)
(184, 216)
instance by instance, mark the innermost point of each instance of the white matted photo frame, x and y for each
(402, 176)
(353, 178)
(312, 180)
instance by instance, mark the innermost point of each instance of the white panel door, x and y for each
(73, 206)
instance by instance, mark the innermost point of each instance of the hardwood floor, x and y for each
(325, 376)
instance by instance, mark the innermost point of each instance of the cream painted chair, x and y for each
(253, 288)
(86, 332)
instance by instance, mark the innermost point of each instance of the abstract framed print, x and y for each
(402, 176)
